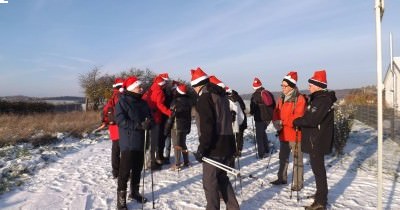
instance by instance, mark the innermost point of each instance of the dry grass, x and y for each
(42, 128)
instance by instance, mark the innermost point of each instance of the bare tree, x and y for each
(97, 87)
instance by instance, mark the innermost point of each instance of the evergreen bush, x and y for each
(343, 122)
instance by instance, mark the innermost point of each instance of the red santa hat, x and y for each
(216, 81)
(256, 83)
(291, 79)
(118, 83)
(181, 89)
(228, 90)
(319, 79)
(164, 76)
(159, 80)
(198, 77)
(131, 83)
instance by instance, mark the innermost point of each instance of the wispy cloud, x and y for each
(72, 58)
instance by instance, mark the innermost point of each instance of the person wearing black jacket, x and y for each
(262, 106)
(234, 96)
(179, 124)
(216, 140)
(317, 133)
(133, 118)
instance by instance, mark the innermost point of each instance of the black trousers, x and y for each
(318, 167)
(216, 180)
(262, 138)
(161, 141)
(239, 140)
(131, 163)
(115, 157)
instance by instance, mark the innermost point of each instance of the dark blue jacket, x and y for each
(130, 112)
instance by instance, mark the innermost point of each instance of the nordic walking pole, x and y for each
(144, 164)
(270, 155)
(238, 163)
(221, 166)
(254, 137)
(294, 164)
(152, 183)
(297, 163)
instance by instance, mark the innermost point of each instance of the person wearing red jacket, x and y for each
(155, 98)
(290, 106)
(108, 119)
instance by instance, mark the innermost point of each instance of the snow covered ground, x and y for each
(76, 174)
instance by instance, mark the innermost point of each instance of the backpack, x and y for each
(110, 111)
(110, 115)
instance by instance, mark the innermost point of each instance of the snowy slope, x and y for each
(81, 179)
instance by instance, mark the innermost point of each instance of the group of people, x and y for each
(141, 121)
(303, 123)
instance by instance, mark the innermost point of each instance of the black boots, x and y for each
(316, 206)
(136, 195)
(185, 155)
(278, 182)
(121, 200)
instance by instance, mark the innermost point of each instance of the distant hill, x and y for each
(20, 98)
(65, 98)
(340, 94)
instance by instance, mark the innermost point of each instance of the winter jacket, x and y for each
(182, 108)
(237, 115)
(130, 112)
(262, 105)
(112, 127)
(287, 109)
(235, 97)
(155, 98)
(317, 123)
(216, 135)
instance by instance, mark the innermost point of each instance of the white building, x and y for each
(392, 85)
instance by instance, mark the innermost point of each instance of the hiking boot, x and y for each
(315, 206)
(296, 188)
(155, 167)
(159, 161)
(266, 155)
(138, 197)
(167, 161)
(278, 182)
(121, 200)
(186, 164)
(176, 167)
(115, 174)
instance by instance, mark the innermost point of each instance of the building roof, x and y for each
(396, 67)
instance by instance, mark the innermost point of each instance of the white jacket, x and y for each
(235, 106)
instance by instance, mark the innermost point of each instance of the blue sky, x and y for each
(46, 44)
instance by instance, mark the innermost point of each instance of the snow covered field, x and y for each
(78, 176)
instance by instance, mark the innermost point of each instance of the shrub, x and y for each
(21, 107)
(342, 127)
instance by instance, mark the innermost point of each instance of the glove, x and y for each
(296, 125)
(277, 124)
(146, 124)
(199, 156)
(233, 113)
